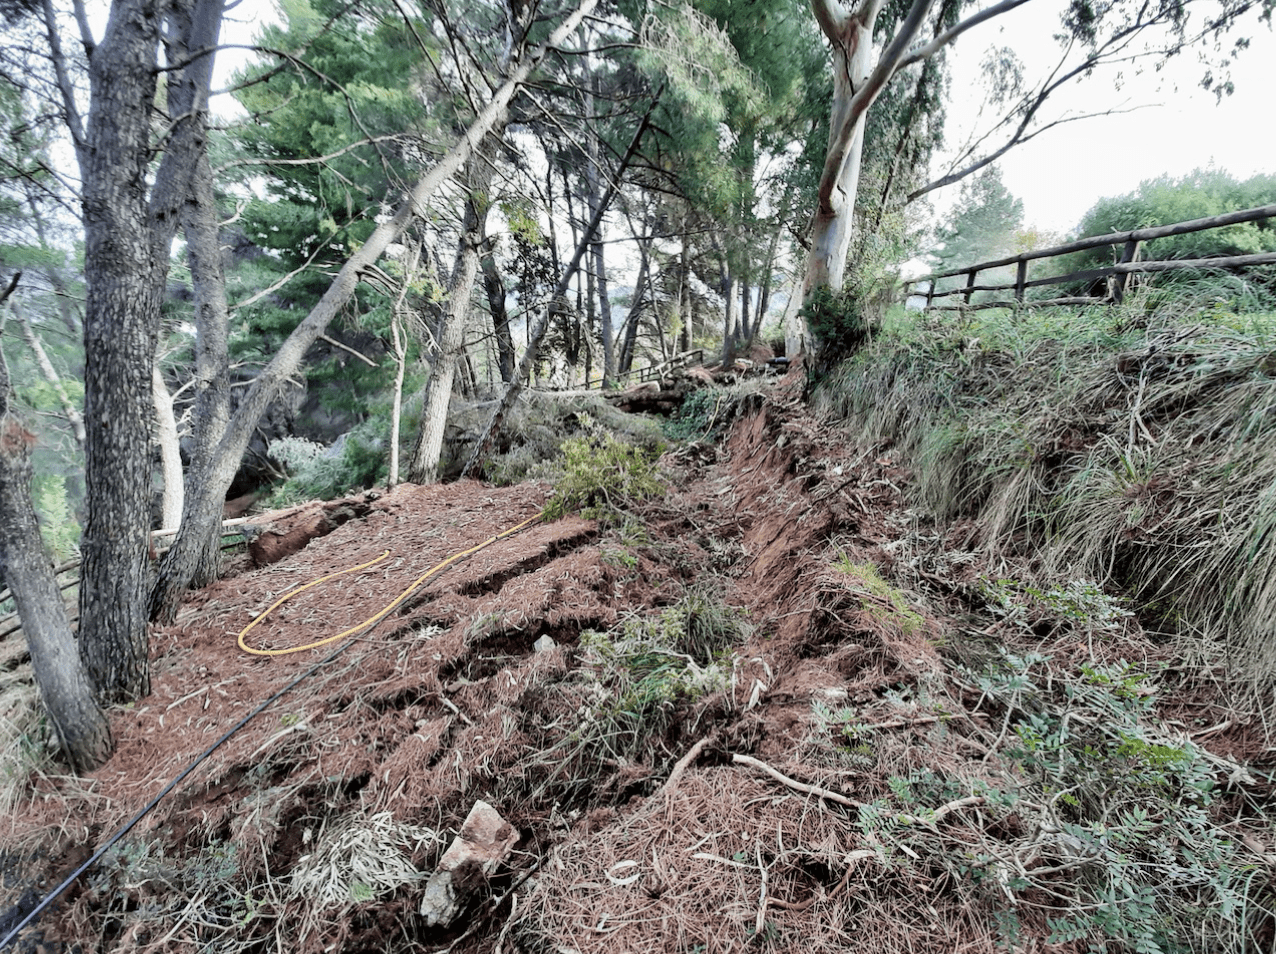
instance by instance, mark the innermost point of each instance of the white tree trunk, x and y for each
(170, 452)
(223, 464)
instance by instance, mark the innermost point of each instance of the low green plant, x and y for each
(1080, 603)
(602, 476)
(319, 473)
(58, 526)
(890, 605)
(698, 417)
(637, 681)
(1116, 835)
(25, 744)
(841, 323)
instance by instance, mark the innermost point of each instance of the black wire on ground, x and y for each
(53, 895)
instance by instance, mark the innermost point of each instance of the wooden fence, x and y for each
(1126, 264)
(656, 371)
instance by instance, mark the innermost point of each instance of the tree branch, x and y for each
(947, 37)
(74, 123)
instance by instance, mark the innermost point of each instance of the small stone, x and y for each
(485, 840)
(544, 644)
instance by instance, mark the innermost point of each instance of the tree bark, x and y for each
(81, 726)
(225, 461)
(423, 468)
(599, 262)
(494, 286)
(128, 236)
(400, 341)
(211, 413)
(630, 325)
(857, 82)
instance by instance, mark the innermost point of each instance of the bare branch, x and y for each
(947, 37)
(316, 160)
(74, 123)
(1018, 140)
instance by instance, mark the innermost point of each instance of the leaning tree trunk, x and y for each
(423, 468)
(212, 485)
(81, 726)
(50, 373)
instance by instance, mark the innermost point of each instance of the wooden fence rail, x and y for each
(656, 371)
(1127, 264)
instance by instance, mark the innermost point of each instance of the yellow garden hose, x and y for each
(438, 567)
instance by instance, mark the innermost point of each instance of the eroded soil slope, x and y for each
(669, 796)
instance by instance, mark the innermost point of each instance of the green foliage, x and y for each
(890, 605)
(652, 667)
(982, 226)
(1115, 834)
(363, 79)
(699, 416)
(58, 526)
(841, 322)
(602, 475)
(317, 473)
(1166, 200)
(1080, 602)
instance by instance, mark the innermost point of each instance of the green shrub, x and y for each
(698, 418)
(841, 322)
(1115, 836)
(317, 474)
(602, 476)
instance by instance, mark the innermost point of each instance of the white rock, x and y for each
(485, 840)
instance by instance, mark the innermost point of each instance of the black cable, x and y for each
(110, 843)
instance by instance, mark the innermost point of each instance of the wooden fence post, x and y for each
(1128, 254)
(970, 284)
(1021, 277)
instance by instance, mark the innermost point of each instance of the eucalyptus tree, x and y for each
(1091, 36)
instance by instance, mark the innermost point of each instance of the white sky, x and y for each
(1061, 174)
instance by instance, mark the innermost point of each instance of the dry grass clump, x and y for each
(1135, 453)
(359, 859)
(22, 745)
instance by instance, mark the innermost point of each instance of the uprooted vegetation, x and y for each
(766, 701)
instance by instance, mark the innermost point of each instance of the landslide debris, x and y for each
(772, 709)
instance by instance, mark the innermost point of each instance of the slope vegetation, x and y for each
(772, 708)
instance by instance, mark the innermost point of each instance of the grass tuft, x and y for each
(1134, 447)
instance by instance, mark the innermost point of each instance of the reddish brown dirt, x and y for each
(446, 701)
